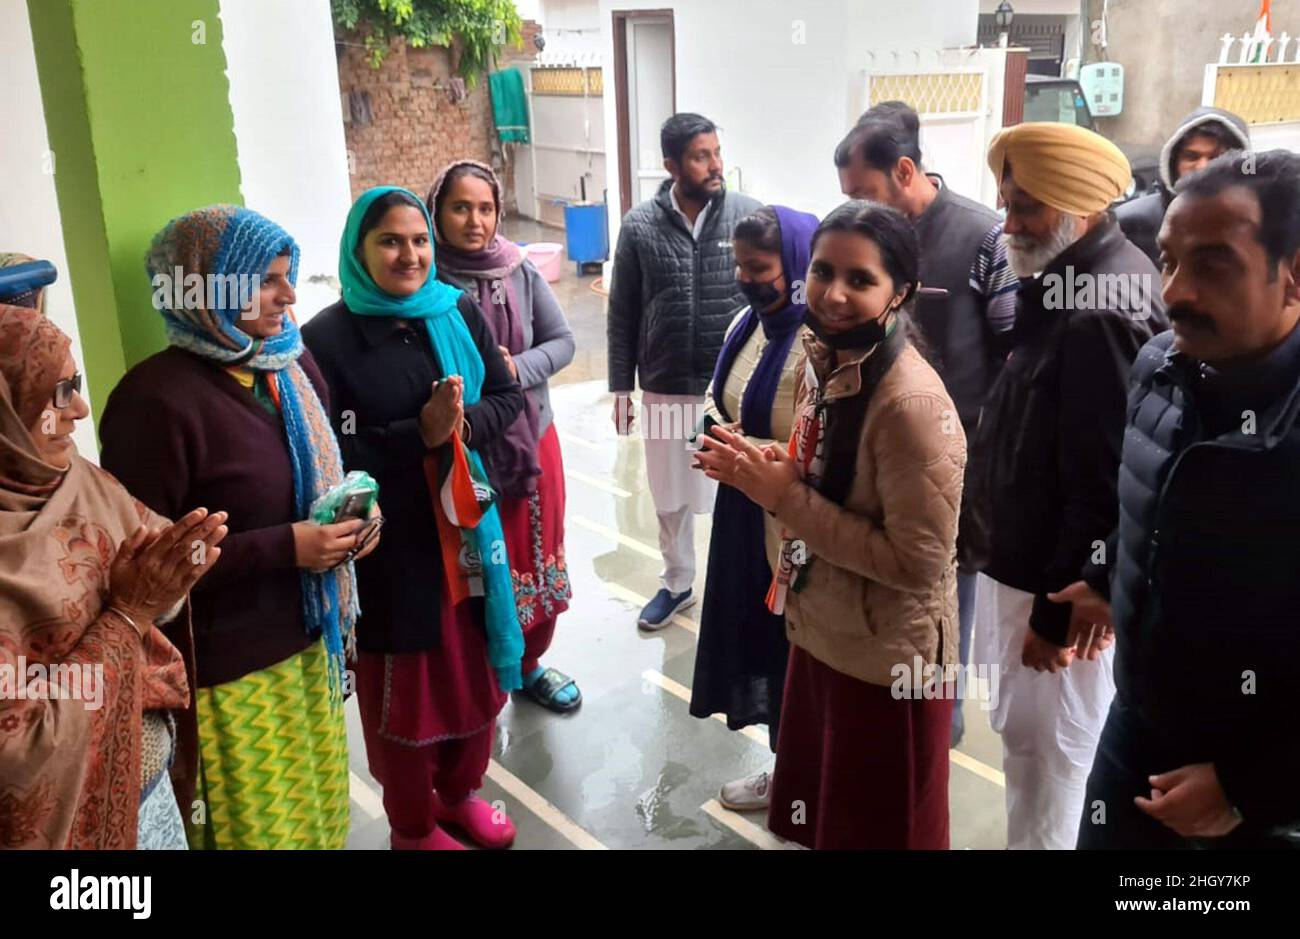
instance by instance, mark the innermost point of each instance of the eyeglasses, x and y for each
(65, 389)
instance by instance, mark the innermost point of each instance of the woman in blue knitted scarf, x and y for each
(234, 415)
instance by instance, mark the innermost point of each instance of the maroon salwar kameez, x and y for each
(428, 719)
(857, 768)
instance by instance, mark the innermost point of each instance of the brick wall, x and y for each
(415, 129)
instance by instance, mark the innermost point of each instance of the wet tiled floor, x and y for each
(631, 768)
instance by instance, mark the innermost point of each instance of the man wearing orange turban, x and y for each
(1045, 461)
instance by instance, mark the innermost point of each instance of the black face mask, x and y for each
(760, 296)
(863, 336)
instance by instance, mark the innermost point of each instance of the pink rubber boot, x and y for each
(436, 840)
(478, 819)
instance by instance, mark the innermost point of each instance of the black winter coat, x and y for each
(1048, 442)
(379, 371)
(1142, 217)
(672, 298)
(1205, 585)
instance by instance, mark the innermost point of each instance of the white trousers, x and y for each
(1049, 723)
(679, 492)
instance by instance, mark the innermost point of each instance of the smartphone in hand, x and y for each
(357, 505)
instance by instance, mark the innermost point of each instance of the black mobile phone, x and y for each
(364, 537)
(357, 505)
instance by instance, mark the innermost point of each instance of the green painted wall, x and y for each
(140, 123)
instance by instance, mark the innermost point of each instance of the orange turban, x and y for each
(1067, 167)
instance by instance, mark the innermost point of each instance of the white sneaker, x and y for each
(748, 794)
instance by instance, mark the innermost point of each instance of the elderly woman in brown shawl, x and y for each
(87, 679)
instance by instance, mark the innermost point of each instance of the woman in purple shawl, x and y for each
(740, 659)
(524, 464)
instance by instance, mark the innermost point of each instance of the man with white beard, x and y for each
(1047, 451)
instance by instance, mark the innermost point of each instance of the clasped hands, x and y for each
(764, 474)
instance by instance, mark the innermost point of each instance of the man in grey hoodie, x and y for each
(1201, 136)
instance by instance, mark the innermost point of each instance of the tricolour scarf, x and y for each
(824, 445)
(511, 457)
(226, 240)
(780, 328)
(435, 303)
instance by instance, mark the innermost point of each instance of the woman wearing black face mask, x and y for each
(741, 656)
(867, 496)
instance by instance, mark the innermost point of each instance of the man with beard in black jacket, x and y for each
(1047, 450)
(1201, 136)
(673, 292)
(1199, 749)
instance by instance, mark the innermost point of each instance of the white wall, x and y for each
(882, 24)
(572, 28)
(29, 207)
(569, 139)
(568, 133)
(1281, 136)
(783, 105)
(289, 129)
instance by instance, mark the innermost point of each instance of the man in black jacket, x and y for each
(1047, 452)
(1201, 136)
(673, 292)
(1199, 748)
(880, 160)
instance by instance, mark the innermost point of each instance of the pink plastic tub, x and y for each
(547, 256)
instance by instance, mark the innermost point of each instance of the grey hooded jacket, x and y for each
(1141, 218)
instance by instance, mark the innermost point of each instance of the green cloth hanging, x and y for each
(509, 105)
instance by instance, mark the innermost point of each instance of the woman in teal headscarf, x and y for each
(417, 386)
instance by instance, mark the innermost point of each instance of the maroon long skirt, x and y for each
(534, 536)
(856, 768)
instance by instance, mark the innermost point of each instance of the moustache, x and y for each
(1022, 242)
(1191, 318)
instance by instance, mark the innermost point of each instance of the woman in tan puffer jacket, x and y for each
(868, 494)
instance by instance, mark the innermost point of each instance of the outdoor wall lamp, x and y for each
(1003, 16)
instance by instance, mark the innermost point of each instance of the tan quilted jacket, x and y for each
(882, 587)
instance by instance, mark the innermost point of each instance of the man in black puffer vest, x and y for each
(1199, 748)
(672, 295)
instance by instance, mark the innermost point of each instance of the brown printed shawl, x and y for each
(69, 773)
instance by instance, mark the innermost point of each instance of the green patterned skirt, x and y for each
(273, 760)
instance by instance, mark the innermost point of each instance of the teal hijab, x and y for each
(436, 304)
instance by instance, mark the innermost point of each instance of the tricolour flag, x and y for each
(1263, 31)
